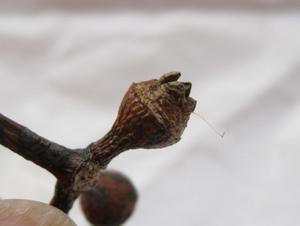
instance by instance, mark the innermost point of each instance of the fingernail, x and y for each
(17, 212)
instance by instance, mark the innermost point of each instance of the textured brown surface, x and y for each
(153, 114)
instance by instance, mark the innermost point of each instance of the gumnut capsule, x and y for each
(153, 113)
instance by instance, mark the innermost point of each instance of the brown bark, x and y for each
(55, 158)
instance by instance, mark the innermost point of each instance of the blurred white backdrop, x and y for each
(63, 74)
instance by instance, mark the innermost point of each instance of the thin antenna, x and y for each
(210, 125)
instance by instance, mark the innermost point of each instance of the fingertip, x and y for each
(18, 212)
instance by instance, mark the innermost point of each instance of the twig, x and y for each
(153, 114)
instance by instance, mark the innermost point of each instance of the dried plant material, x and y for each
(153, 114)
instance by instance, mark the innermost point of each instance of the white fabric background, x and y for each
(63, 75)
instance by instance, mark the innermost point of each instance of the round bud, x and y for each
(111, 202)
